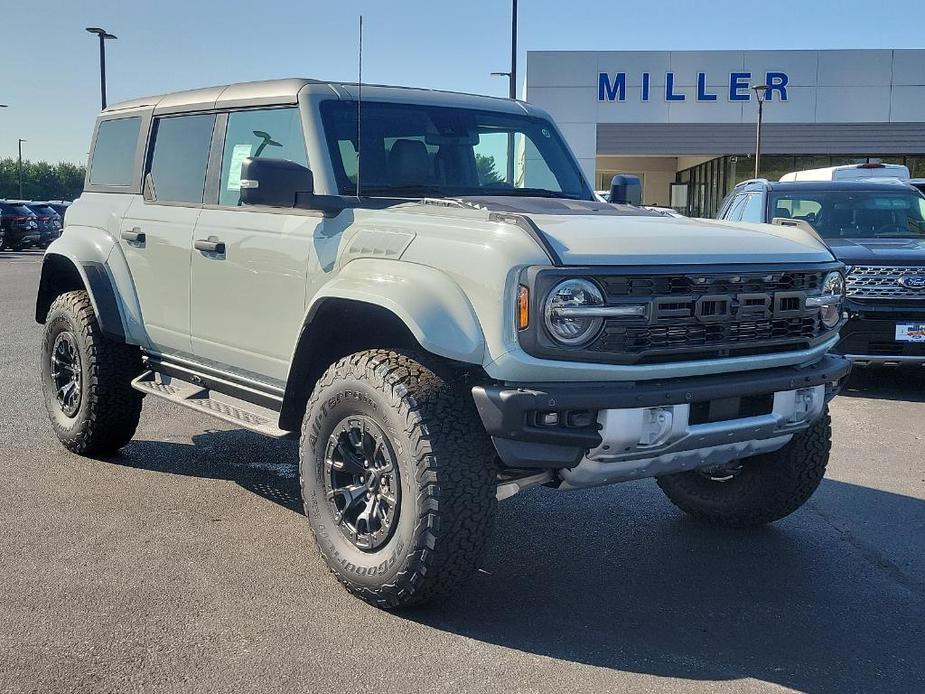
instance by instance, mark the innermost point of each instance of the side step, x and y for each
(196, 397)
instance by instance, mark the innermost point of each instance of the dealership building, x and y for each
(685, 121)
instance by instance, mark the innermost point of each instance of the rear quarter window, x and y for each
(113, 162)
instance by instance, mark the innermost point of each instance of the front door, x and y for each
(249, 264)
(157, 229)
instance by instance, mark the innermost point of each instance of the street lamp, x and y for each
(512, 74)
(761, 93)
(20, 167)
(512, 87)
(103, 34)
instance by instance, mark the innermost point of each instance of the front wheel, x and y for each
(397, 477)
(756, 490)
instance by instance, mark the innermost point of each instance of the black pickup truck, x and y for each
(877, 228)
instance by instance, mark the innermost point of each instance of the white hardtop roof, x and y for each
(286, 91)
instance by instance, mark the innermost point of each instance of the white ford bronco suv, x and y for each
(423, 286)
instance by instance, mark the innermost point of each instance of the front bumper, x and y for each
(704, 412)
(869, 336)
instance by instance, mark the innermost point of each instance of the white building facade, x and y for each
(689, 117)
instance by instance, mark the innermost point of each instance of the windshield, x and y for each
(854, 214)
(411, 150)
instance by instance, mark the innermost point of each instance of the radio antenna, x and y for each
(359, 102)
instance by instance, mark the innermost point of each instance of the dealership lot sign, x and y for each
(612, 87)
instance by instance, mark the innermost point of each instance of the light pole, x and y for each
(103, 34)
(512, 87)
(761, 93)
(20, 167)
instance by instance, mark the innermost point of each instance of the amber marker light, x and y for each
(523, 307)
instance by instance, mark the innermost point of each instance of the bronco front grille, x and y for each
(696, 315)
(884, 282)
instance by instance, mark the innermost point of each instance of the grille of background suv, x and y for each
(882, 282)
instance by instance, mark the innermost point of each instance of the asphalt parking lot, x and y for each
(184, 564)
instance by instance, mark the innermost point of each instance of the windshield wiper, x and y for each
(528, 192)
(417, 190)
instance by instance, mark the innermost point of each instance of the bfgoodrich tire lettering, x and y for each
(106, 413)
(765, 489)
(447, 481)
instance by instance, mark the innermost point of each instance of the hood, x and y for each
(594, 233)
(883, 251)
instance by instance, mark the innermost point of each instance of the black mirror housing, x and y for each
(626, 189)
(274, 182)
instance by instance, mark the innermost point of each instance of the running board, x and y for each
(197, 397)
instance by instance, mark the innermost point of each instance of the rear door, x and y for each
(248, 296)
(157, 230)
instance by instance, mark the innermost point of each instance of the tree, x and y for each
(41, 180)
(488, 174)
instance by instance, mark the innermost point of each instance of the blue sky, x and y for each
(49, 73)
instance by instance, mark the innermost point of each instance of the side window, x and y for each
(113, 161)
(180, 157)
(724, 207)
(734, 213)
(754, 208)
(275, 133)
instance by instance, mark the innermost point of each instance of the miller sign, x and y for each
(613, 87)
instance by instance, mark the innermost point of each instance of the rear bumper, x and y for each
(510, 414)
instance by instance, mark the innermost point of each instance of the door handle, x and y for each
(210, 245)
(136, 235)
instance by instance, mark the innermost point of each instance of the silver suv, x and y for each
(424, 286)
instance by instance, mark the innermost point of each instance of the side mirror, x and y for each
(625, 189)
(274, 182)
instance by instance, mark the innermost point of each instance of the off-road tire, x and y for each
(447, 476)
(109, 408)
(767, 488)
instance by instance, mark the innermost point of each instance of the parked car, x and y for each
(48, 220)
(59, 206)
(18, 226)
(918, 184)
(438, 340)
(849, 172)
(877, 228)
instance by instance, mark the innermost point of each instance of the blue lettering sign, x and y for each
(645, 86)
(702, 94)
(737, 82)
(777, 82)
(611, 91)
(669, 89)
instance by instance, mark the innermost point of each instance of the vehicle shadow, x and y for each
(906, 383)
(617, 578)
(264, 466)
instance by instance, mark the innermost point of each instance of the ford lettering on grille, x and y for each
(716, 308)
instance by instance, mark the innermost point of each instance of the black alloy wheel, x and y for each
(362, 483)
(66, 373)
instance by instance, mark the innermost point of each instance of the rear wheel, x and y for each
(397, 477)
(86, 379)
(756, 490)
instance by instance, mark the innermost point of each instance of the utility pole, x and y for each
(761, 92)
(103, 35)
(20, 167)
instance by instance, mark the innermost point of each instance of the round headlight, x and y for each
(833, 288)
(566, 319)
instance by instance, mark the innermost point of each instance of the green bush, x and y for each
(41, 180)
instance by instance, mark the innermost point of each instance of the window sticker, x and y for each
(238, 155)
